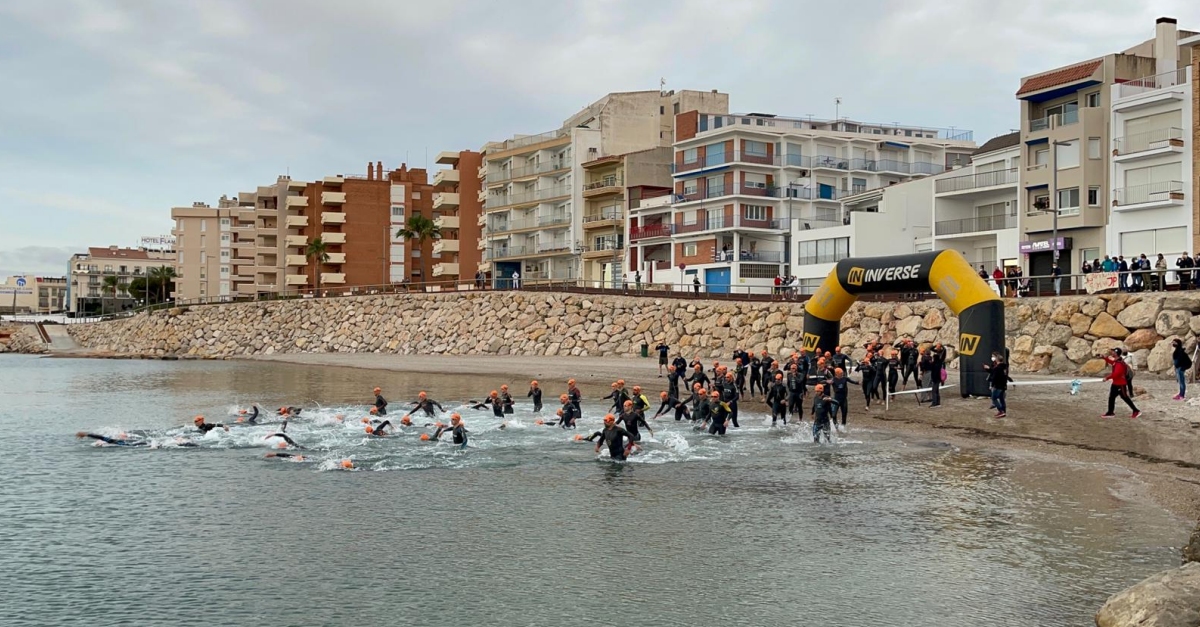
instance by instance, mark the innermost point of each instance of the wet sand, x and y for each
(1162, 447)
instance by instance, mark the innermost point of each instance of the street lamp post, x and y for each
(1054, 198)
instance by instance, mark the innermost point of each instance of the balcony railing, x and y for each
(554, 247)
(607, 182)
(823, 193)
(809, 260)
(717, 191)
(924, 167)
(603, 245)
(974, 181)
(893, 165)
(1151, 83)
(1054, 120)
(651, 230)
(766, 256)
(1151, 192)
(603, 215)
(501, 200)
(527, 170)
(531, 223)
(1139, 142)
(974, 225)
(716, 222)
(551, 220)
(722, 158)
(510, 251)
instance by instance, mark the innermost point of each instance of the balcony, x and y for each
(445, 246)
(296, 279)
(717, 191)
(481, 220)
(607, 217)
(266, 213)
(446, 177)
(1150, 83)
(296, 260)
(244, 244)
(246, 289)
(893, 166)
(333, 180)
(721, 158)
(296, 222)
(482, 172)
(446, 157)
(651, 231)
(1054, 120)
(482, 196)
(446, 222)
(607, 186)
(333, 238)
(1149, 196)
(965, 226)
(246, 215)
(297, 202)
(544, 167)
(445, 199)
(481, 244)
(296, 184)
(445, 269)
(331, 278)
(762, 256)
(924, 167)
(1149, 144)
(606, 249)
(331, 217)
(977, 181)
(829, 162)
(509, 252)
(333, 198)
(554, 246)
(336, 259)
(293, 241)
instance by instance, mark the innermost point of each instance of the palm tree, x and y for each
(107, 288)
(419, 229)
(317, 250)
(159, 278)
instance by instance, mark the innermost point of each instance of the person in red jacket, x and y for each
(1119, 376)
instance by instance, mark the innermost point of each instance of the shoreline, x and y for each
(1163, 447)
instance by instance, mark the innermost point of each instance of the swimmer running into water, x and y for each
(567, 415)
(380, 403)
(425, 404)
(535, 393)
(632, 419)
(614, 436)
(670, 402)
(493, 401)
(456, 428)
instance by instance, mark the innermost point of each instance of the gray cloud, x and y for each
(36, 260)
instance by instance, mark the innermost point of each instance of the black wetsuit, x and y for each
(253, 419)
(879, 363)
(378, 430)
(205, 427)
(426, 405)
(908, 361)
(756, 381)
(868, 381)
(459, 432)
(115, 441)
(823, 410)
(840, 360)
(631, 421)
(570, 413)
(536, 394)
(729, 395)
(575, 397)
(614, 437)
(719, 415)
(739, 377)
(777, 398)
(680, 407)
(840, 389)
(506, 401)
(698, 377)
(893, 374)
(701, 410)
(380, 405)
(797, 386)
(641, 404)
(495, 404)
(618, 396)
(288, 439)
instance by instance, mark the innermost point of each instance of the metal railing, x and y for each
(1150, 192)
(607, 182)
(612, 213)
(651, 230)
(766, 256)
(1054, 120)
(1151, 83)
(893, 165)
(974, 225)
(717, 191)
(721, 158)
(808, 260)
(974, 181)
(502, 200)
(1139, 142)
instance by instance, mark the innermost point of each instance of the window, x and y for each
(758, 149)
(397, 252)
(1093, 99)
(224, 255)
(203, 225)
(714, 154)
(1041, 156)
(1068, 201)
(1041, 202)
(416, 195)
(397, 212)
(663, 110)
(715, 186)
(1094, 196)
(224, 271)
(1093, 148)
(181, 256)
(754, 212)
(689, 187)
(675, 108)
(108, 269)
(416, 253)
(203, 273)
(689, 250)
(124, 269)
(702, 124)
(1066, 155)
(1169, 241)
(690, 155)
(224, 224)
(225, 239)
(203, 241)
(823, 251)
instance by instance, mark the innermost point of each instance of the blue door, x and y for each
(502, 277)
(716, 280)
(824, 192)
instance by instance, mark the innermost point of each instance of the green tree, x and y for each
(161, 282)
(108, 289)
(317, 250)
(418, 230)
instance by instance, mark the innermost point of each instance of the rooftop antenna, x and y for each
(837, 109)
(662, 85)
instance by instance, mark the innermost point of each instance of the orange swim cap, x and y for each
(628, 403)
(610, 419)
(494, 393)
(347, 464)
(662, 394)
(406, 421)
(637, 388)
(558, 413)
(241, 419)
(369, 430)
(366, 421)
(374, 410)
(563, 398)
(283, 445)
(421, 395)
(242, 412)
(377, 390)
(838, 371)
(424, 437)
(539, 421)
(570, 381)
(533, 383)
(578, 436)
(819, 388)
(620, 381)
(503, 387)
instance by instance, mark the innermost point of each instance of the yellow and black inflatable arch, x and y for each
(980, 311)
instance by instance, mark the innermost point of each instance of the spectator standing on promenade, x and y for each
(1144, 267)
(516, 280)
(983, 273)
(1160, 267)
(998, 277)
(1185, 265)
(1056, 272)
(1123, 278)
(696, 284)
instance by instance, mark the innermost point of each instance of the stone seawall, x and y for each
(1044, 335)
(21, 338)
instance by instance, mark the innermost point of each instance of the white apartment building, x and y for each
(976, 207)
(1151, 165)
(215, 248)
(88, 289)
(758, 195)
(533, 185)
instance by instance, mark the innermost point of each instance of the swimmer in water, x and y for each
(380, 403)
(379, 430)
(456, 428)
(640, 402)
(493, 401)
(290, 412)
(118, 441)
(535, 393)
(824, 409)
(567, 415)
(286, 439)
(575, 395)
(670, 402)
(718, 414)
(205, 427)
(614, 436)
(425, 404)
(506, 400)
(632, 419)
(249, 418)
(283, 455)
(777, 398)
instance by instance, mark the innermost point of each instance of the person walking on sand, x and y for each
(1119, 378)
(1182, 363)
(998, 379)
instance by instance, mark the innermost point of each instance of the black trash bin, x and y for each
(645, 350)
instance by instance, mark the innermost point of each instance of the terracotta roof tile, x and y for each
(996, 143)
(1059, 77)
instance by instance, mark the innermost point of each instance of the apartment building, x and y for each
(534, 203)
(1067, 136)
(86, 293)
(758, 195)
(1151, 160)
(1195, 53)
(975, 207)
(256, 244)
(611, 185)
(29, 294)
(458, 205)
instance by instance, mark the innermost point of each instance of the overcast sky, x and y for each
(113, 111)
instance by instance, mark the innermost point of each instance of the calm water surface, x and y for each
(525, 527)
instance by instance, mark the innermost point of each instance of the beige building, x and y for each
(532, 184)
(1066, 137)
(86, 292)
(611, 185)
(30, 294)
(215, 250)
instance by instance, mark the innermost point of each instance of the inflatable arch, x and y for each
(980, 311)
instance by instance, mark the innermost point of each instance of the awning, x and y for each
(897, 145)
(1044, 140)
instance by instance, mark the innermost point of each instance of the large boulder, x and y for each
(1093, 367)
(1173, 322)
(1186, 301)
(1078, 349)
(1195, 325)
(1053, 335)
(908, 326)
(1063, 311)
(1141, 315)
(1092, 307)
(1168, 599)
(1104, 345)
(1160, 357)
(1080, 324)
(1142, 338)
(1191, 552)
(1106, 326)
(1059, 362)
(933, 319)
